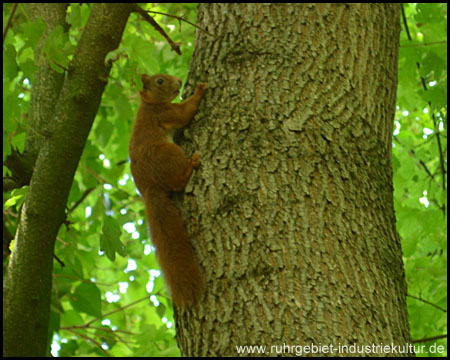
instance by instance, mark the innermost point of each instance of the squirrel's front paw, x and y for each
(201, 87)
(195, 161)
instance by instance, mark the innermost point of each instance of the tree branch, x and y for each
(8, 23)
(427, 302)
(179, 18)
(175, 47)
(425, 339)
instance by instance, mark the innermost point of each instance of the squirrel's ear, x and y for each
(144, 78)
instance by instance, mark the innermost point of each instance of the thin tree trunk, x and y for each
(28, 280)
(47, 82)
(291, 213)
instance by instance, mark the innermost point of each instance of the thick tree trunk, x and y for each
(291, 212)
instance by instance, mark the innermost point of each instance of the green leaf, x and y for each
(110, 238)
(71, 318)
(10, 67)
(58, 48)
(103, 131)
(75, 193)
(68, 349)
(86, 299)
(32, 32)
(74, 15)
(17, 198)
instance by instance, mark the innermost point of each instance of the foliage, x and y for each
(106, 267)
(420, 165)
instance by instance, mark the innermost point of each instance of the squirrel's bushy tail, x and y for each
(173, 250)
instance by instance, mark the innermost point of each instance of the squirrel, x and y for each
(159, 168)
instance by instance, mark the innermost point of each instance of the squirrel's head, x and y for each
(159, 88)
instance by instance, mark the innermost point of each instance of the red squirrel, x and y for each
(160, 167)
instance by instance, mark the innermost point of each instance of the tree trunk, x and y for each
(47, 83)
(291, 212)
(28, 280)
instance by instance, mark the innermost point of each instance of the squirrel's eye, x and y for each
(160, 81)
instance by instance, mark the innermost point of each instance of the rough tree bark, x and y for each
(291, 212)
(28, 280)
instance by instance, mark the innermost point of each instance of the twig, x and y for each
(91, 340)
(429, 339)
(405, 23)
(433, 118)
(425, 44)
(60, 66)
(151, 21)
(85, 194)
(59, 260)
(179, 18)
(8, 23)
(97, 176)
(420, 162)
(119, 309)
(427, 302)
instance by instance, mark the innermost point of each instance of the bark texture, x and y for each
(47, 82)
(291, 212)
